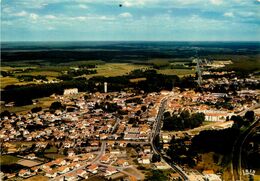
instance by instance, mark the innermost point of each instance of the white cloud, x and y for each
(216, 2)
(50, 16)
(229, 14)
(81, 18)
(33, 16)
(50, 28)
(130, 3)
(21, 14)
(93, 17)
(105, 18)
(83, 6)
(125, 15)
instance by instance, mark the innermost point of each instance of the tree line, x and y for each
(23, 94)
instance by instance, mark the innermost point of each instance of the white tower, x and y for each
(105, 87)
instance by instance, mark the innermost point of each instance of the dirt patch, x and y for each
(208, 163)
(135, 172)
(38, 178)
(28, 163)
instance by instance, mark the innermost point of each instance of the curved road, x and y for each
(236, 167)
(102, 150)
(156, 131)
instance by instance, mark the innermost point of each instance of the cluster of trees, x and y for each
(223, 104)
(31, 77)
(157, 175)
(71, 74)
(88, 66)
(181, 153)
(36, 109)
(219, 141)
(81, 71)
(183, 121)
(156, 158)
(56, 106)
(107, 106)
(5, 73)
(244, 121)
(23, 94)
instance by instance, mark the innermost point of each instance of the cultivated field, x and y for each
(115, 69)
(179, 72)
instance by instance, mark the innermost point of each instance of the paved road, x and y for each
(155, 132)
(102, 151)
(115, 126)
(127, 141)
(236, 167)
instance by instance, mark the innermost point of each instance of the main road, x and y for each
(155, 132)
(95, 160)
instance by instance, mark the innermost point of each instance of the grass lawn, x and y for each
(115, 69)
(207, 123)
(256, 177)
(51, 150)
(8, 159)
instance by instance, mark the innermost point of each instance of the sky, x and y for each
(135, 20)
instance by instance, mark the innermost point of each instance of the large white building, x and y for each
(70, 91)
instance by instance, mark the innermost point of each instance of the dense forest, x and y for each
(57, 52)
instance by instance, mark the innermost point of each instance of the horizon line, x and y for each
(9, 41)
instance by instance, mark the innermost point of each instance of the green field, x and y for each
(115, 69)
(179, 72)
(53, 155)
(4, 81)
(43, 102)
(51, 150)
(42, 72)
(50, 72)
(8, 159)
